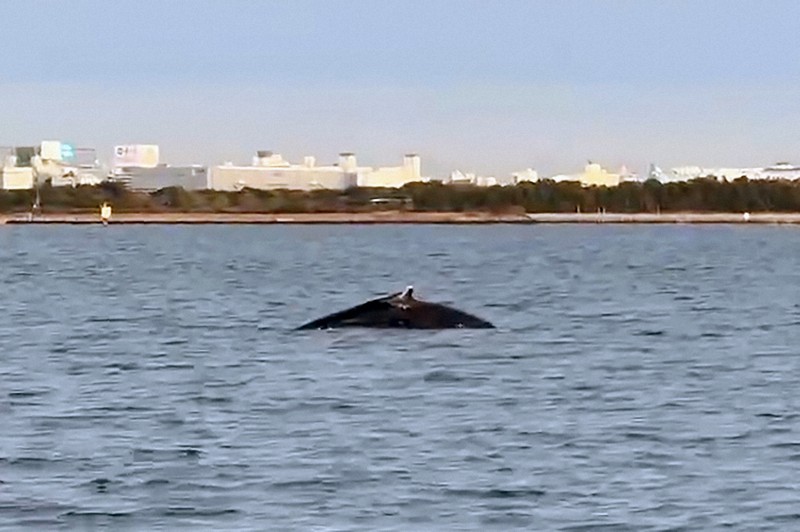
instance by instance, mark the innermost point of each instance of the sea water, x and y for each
(640, 378)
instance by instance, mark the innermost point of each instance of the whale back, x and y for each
(400, 310)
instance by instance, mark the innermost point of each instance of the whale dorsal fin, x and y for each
(405, 299)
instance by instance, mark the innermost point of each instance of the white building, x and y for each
(64, 165)
(485, 181)
(559, 178)
(16, 172)
(782, 170)
(529, 175)
(162, 176)
(136, 156)
(60, 164)
(138, 167)
(271, 171)
(627, 176)
(593, 175)
(596, 175)
(16, 177)
(457, 177)
(392, 176)
(687, 173)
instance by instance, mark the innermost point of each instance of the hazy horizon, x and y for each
(482, 86)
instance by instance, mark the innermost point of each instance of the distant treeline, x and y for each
(699, 195)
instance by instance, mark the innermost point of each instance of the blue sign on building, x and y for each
(67, 152)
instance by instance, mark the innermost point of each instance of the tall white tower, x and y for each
(347, 162)
(412, 167)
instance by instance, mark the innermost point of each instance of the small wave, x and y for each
(158, 367)
(191, 511)
(175, 341)
(22, 394)
(61, 349)
(93, 514)
(101, 484)
(111, 319)
(794, 445)
(441, 375)
(498, 493)
(29, 462)
(303, 483)
(650, 332)
(642, 436)
(598, 526)
(122, 366)
(784, 518)
(211, 400)
(156, 482)
(785, 416)
(149, 455)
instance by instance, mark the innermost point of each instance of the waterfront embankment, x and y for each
(408, 217)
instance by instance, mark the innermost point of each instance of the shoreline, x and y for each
(406, 217)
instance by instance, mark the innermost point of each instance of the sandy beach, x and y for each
(405, 217)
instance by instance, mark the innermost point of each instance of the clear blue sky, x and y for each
(484, 85)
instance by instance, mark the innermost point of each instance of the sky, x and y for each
(479, 85)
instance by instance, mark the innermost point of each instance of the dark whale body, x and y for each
(399, 311)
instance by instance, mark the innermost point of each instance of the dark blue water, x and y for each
(641, 378)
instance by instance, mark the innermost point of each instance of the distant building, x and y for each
(136, 156)
(596, 175)
(782, 170)
(52, 161)
(687, 173)
(626, 176)
(270, 171)
(529, 175)
(457, 177)
(65, 165)
(593, 175)
(392, 176)
(16, 172)
(560, 178)
(162, 176)
(138, 167)
(16, 177)
(485, 181)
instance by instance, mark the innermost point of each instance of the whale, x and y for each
(399, 311)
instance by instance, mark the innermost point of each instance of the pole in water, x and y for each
(36, 208)
(105, 213)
